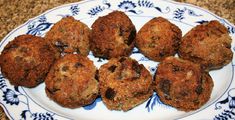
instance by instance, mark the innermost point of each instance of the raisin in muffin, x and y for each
(70, 35)
(124, 83)
(158, 38)
(26, 60)
(113, 35)
(71, 81)
(208, 44)
(182, 84)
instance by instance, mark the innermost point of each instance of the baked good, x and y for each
(70, 36)
(124, 83)
(71, 81)
(208, 44)
(26, 60)
(182, 84)
(113, 35)
(158, 38)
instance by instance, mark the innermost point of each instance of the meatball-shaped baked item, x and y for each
(158, 38)
(70, 35)
(113, 35)
(207, 44)
(182, 84)
(26, 60)
(124, 83)
(71, 81)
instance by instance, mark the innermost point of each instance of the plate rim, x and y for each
(4, 39)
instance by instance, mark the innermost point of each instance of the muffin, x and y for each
(208, 44)
(158, 38)
(113, 36)
(182, 84)
(26, 60)
(71, 81)
(124, 83)
(70, 36)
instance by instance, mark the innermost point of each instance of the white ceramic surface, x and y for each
(24, 103)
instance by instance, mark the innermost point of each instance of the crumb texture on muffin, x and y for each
(158, 38)
(26, 60)
(71, 81)
(124, 83)
(182, 84)
(208, 44)
(70, 35)
(113, 35)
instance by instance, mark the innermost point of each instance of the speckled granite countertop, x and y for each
(15, 12)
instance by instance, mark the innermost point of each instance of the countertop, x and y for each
(16, 12)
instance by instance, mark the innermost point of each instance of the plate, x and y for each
(24, 103)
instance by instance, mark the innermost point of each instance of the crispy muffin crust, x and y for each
(26, 60)
(71, 81)
(208, 44)
(124, 83)
(158, 38)
(70, 35)
(182, 84)
(113, 35)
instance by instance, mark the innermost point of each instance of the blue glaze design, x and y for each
(192, 13)
(92, 105)
(202, 21)
(74, 10)
(155, 100)
(10, 97)
(39, 26)
(127, 5)
(149, 4)
(97, 9)
(153, 70)
(143, 59)
(2, 82)
(145, 3)
(130, 6)
(42, 19)
(135, 50)
(100, 59)
(231, 29)
(36, 116)
(37, 30)
(228, 113)
(179, 13)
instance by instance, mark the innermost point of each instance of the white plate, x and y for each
(24, 103)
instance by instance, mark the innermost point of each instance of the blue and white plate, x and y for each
(24, 103)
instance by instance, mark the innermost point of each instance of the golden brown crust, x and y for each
(182, 84)
(113, 35)
(26, 60)
(124, 83)
(158, 38)
(207, 44)
(70, 35)
(71, 81)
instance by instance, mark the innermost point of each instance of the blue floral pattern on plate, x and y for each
(10, 97)
(18, 99)
(37, 27)
(227, 113)
(179, 13)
